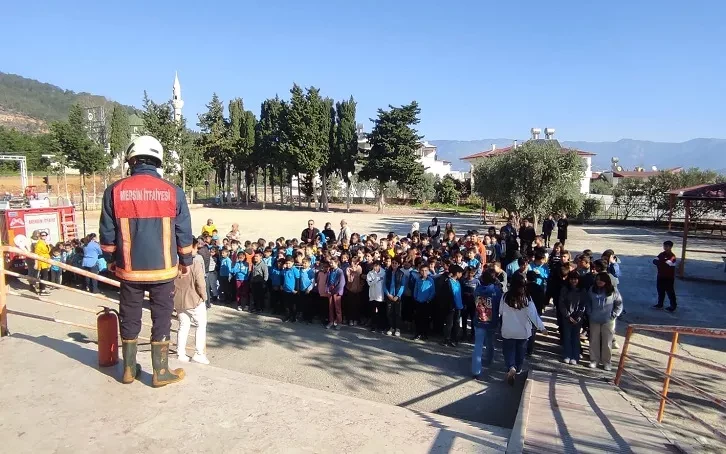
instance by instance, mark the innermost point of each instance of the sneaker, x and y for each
(183, 358)
(44, 293)
(350, 323)
(389, 332)
(397, 333)
(511, 374)
(608, 367)
(336, 327)
(671, 309)
(239, 308)
(418, 337)
(355, 323)
(201, 359)
(658, 306)
(328, 326)
(593, 364)
(573, 362)
(566, 360)
(615, 345)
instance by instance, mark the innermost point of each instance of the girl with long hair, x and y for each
(518, 314)
(604, 305)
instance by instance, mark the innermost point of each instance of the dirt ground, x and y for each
(274, 223)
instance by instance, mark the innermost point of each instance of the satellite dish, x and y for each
(654, 169)
(619, 168)
(614, 159)
(21, 241)
(90, 116)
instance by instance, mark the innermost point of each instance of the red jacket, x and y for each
(146, 226)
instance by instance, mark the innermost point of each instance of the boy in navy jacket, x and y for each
(241, 273)
(224, 276)
(423, 295)
(488, 295)
(290, 286)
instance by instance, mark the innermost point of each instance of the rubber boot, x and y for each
(131, 368)
(160, 362)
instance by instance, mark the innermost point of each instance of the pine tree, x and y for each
(120, 135)
(268, 142)
(214, 141)
(346, 143)
(394, 142)
(159, 123)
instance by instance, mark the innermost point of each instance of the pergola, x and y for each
(705, 192)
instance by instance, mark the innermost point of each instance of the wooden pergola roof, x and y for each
(715, 192)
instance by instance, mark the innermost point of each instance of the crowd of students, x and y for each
(82, 253)
(466, 287)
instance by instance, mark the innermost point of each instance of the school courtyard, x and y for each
(356, 384)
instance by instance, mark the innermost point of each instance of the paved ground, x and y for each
(570, 414)
(423, 376)
(55, 399)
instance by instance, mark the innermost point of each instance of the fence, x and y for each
(4, 291)
(668, 374)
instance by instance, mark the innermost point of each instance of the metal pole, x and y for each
(667, 381)
(682, 265)
(623, 355)
(83, 208)
(3, 299)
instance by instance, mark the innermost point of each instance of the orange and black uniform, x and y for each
(146, 227)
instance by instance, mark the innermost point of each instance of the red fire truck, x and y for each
(58, 222)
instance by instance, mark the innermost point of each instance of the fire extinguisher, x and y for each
(107, 324)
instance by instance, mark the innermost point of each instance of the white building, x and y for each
(427, 157)
(586, 156)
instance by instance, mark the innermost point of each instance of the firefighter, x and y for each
(146, 229)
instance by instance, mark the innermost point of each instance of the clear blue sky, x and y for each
(640, 69)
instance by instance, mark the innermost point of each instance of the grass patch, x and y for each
(463, 208)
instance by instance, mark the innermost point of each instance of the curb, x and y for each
(519, 431)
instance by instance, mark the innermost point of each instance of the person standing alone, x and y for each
(146, 226)
(562, 224)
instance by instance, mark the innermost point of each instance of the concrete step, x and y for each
(57, 399)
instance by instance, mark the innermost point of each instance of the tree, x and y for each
(601, 186)
(346, 143)
(308, 132)
(394, 142)
(591, 207)
(120, 135)
(195, 166)
(159, 123)
(72, 142)
(214, 141)
(238, 156)
(421, 189)
(247, 136)
(629, 196)
(529, 180)
(446, 191)
(268, 141)
(296, 136)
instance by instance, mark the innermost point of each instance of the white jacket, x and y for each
(517, 323)
(375, 284)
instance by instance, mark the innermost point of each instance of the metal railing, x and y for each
(5, 290)
(667, 375)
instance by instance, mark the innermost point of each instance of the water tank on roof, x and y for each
(549, 132)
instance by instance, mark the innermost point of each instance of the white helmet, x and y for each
(145, 146)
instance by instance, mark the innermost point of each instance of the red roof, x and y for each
(499, 151)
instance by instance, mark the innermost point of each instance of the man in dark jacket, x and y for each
(311, 234)
(527, 235)
(146, 230)
(548, 226)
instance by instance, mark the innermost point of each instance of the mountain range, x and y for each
(30, 105)
(703, 153)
